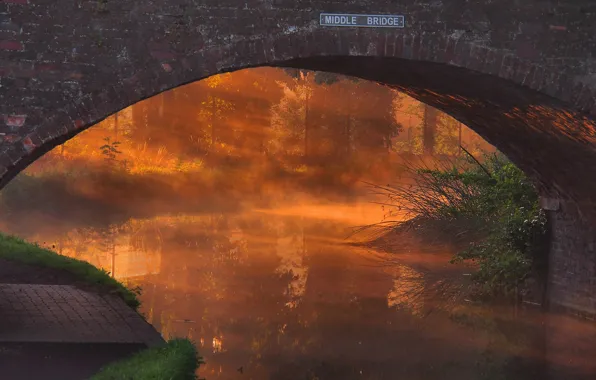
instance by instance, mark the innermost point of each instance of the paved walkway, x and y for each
(60, 361)
(65, 314)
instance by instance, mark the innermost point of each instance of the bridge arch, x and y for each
(538, 117)
(519, 75)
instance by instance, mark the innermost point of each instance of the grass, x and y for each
(15, 249)
(177, 360)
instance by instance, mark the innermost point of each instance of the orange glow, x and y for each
(232, 202)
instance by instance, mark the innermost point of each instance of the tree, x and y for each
(291, 118)
(345, 94)
(429, 129)
(448, 136)
(376, 125)
(215, 107)
(311, 85)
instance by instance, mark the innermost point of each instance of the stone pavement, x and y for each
(60, 361)
(65, 314)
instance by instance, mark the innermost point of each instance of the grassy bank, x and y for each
(494, 204)
(178, 360)
(16, 249)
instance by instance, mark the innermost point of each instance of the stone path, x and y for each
(60, 361)
(65, 314)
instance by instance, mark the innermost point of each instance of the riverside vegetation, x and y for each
(491, 205)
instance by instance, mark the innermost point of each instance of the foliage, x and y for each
(319, 77)
(110, 149)
(16, 249)
(516, 225)
(448, 134)
(264, 116)
(288, 120)
(496, 199)
(177, 360)
(311, 121)
(110, 153)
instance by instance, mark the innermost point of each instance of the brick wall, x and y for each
(572, 260)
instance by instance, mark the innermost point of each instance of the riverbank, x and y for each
(64, 319)
(25, 263)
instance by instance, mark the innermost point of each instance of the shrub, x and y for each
(494, 197)
(177, 360)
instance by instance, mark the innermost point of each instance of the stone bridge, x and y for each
(520, 73)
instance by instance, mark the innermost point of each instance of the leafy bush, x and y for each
(178, 360)
(497, 200)
(516, 229)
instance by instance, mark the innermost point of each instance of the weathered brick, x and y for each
(421, 48)
(572, 277)
(408, 46)
(462, 52)
(399, 46)
(76, 316)
(389, 45)
(11, 45)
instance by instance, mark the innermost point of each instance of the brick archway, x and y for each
(479, 85)
(521, 75)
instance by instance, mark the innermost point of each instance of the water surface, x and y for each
(277, 293)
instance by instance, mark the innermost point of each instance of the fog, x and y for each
(233, 203)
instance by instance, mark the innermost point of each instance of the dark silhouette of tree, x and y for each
(429, 129)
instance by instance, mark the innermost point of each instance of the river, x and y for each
(276, 292)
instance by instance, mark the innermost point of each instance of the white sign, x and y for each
(363, 21)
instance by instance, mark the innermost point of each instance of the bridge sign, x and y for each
(362, 21)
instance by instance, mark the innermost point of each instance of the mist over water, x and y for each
(231, 202)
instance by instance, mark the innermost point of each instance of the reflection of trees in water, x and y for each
(236, 302)
(408, 285)
(423, 282)
(126, 250)
(207, 274)
(225, 281)
(291, 249)
(90, 244)
(515, 340)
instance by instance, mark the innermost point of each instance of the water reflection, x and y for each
(407, 285)
(276, 293)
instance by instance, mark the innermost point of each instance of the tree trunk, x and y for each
(306, 123)
(116, 126)
(113, 257)
(139, 121)
(459, 140)
(213, 116)
(162, 105)
(429, 130)
(348, 129)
